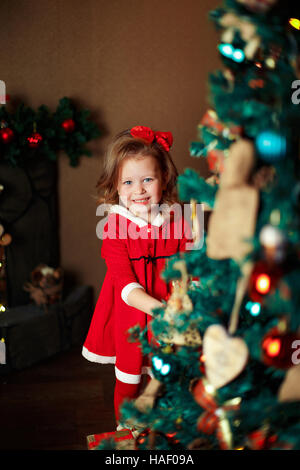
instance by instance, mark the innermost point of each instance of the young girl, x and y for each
(139, 175)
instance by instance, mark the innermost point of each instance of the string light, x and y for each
(165, 369)
(254, 308)
(295, 22)
(157, 362)
(2, 308)
(161, 366)
(227, 50)
(272, 346)
(263, 283)
(238, 55)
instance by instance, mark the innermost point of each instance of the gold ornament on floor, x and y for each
(179, 302)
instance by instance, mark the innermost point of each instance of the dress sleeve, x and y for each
(114, 251)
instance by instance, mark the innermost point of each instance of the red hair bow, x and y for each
(164, 139)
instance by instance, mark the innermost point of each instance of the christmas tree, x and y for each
(225, 362)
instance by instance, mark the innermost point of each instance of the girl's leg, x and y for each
(124, 391)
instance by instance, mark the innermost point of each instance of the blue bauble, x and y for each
(271, 145)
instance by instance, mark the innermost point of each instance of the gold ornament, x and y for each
(179, 302)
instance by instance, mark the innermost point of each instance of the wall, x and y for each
(128, 61)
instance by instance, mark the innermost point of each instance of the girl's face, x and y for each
(140, 184)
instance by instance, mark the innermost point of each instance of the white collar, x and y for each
(121, 210)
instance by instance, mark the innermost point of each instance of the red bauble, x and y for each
(34, 140)
(260, 440)
(6, 135)
(264, 279)
(68, 125)
(279, 348)
(142, 437)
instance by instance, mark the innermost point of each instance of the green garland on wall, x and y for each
(27, 134)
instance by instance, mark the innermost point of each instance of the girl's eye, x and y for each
(148, 179)
(127, 182)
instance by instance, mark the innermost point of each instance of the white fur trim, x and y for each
(127, 289)
(132, 378)
(92, 357)
(121, 210)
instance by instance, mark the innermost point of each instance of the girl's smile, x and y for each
(140, 184)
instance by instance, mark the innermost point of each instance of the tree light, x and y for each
(227, 50)
(295, 22)
(263, 283)
(272, 346)
(157, 362)
(254, 308)
(161, 366)
(165, 369)
(238, 55)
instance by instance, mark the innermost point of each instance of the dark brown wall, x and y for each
(130, 62)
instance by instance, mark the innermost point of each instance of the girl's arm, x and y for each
(114, 251)
(138, 298)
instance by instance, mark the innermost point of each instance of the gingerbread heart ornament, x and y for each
(225, 356)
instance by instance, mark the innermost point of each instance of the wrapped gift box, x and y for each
(123, 439)
(30, 334)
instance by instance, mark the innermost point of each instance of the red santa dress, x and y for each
(135, 253)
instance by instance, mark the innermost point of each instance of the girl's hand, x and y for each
(138, 298)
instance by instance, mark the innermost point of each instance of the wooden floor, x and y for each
(54, 405)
